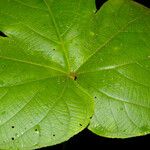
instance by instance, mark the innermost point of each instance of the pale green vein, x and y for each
(22, 3)
(141, 66)
(113, 67)
(108, 41)
(32, 63)
(4, 95)
(82, 89)
(107, 68)
(123, 101)
(119, 100)
(30, 81)
(113, 116)
(14, 114)
(58, 33)
(44, 37)
(28, 27)
(49, 111)
(130, 79)
(73, 20)
(128, 116)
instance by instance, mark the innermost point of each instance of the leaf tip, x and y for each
(12, 138)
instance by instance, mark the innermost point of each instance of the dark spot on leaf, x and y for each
(12, 126)
(91, 117)
(3, 34)
(36, 129)
(53, 134)
(54, 49)
(75, 78)
(99, 4)
(95, 97)
(13, 138)
(80, 124)
(143, 2)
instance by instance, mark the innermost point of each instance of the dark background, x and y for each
(88, 140)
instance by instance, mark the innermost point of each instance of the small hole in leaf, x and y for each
(3, 34)
(99, 4)
(80, 124)
(12, 126)
(53, 134)
(13, 138)
(75, 78)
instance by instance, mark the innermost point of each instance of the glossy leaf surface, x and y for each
(58, 58)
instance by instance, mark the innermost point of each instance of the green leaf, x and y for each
(58, 56)
(118, 73)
